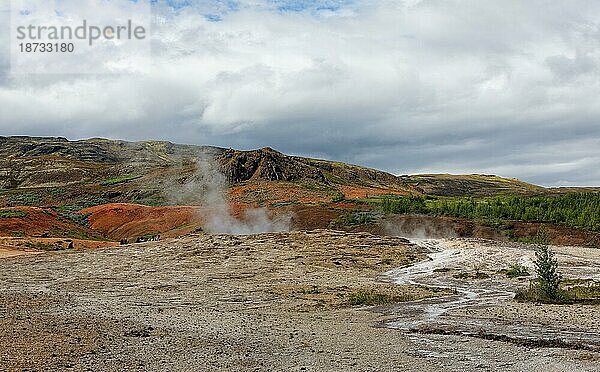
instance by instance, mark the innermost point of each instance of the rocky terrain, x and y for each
(286, 301)
(336, 290)
(270, 301)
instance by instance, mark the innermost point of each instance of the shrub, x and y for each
(404, 205)
(45, 246)
(477, 275)
(75, 217)
(516, 271)
(338, 197)
(29, 198)
(355, 218)
(11, 213)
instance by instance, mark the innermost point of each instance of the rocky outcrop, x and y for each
(267, 165)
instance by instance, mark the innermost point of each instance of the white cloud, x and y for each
(506, 87)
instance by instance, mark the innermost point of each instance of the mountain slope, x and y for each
(470, 185)
(39, 171)
(107, 189)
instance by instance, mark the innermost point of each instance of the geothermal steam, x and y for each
(216, 210)
(419, 227)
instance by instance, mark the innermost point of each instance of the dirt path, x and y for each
(270, 302)
(9, 252)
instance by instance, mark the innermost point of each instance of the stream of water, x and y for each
(435, 315)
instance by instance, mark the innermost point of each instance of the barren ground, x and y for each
(265, 302)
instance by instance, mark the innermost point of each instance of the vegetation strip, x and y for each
(579, 210)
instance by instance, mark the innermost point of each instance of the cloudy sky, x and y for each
(498, 87)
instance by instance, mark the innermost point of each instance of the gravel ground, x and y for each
(270, 302)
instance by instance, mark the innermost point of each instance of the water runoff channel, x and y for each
(438, 316)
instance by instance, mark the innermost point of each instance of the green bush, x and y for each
(11, 213)
(70, 212)
(546, 287)
(29, 198)
(44, 246)
(516, 271)
(338, 197)
(355, 218)
(404, 205)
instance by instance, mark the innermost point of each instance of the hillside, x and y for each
(472, 184)
(120, 171)
(54, 171)
(113, 190)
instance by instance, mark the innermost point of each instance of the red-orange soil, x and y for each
(40, 222)
(559, 235)
(129, 221)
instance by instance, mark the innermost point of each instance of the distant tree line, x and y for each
(580, 210)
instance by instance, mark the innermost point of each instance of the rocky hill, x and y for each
(38, 171)
(33, 162)
(52, 189)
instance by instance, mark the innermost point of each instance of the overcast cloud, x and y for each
(499, 87)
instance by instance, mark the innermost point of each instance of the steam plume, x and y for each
(210, 183)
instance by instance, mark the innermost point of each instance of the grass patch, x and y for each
(338, 197)
(50, 247)
(536, 295)
(284, 204)
(477, 275)
(150, 202)
(582, 291)
(29, 198)
(74, 234)
(11, 213)
(317, 187)
(442, 270)
(515, 271)
(150, 236)
(355, 218)
(119, 180)
(372, 298)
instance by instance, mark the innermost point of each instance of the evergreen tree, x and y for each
(546, 267)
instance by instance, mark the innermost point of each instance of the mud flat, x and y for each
(258, 303)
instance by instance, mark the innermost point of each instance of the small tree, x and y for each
(546, 267)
